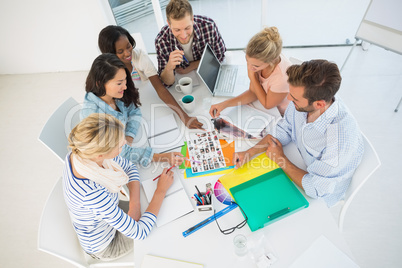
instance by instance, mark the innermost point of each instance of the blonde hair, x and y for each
(97, 134)
(265, 46)
(178, 9)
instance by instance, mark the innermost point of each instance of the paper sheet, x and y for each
(175, 204)
(254, 168)
(151, 261)
(164, 134)
(323, 253)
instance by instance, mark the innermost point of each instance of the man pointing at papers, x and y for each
(324, 131)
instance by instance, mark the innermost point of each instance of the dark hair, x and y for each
(178, 9)
(103, 69)
(321, 79)
(108, 37)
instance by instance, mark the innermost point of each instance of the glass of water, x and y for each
(240, 245)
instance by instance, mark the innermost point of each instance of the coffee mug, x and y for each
(185, 85)
(188, 103)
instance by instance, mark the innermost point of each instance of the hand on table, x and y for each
(275, 149)
(193, 123)
(173, 158)
(165, 180)
(240, 158)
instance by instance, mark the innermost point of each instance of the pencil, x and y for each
(166, 171)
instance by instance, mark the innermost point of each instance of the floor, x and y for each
(371, 87)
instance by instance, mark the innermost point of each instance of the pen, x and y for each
(199, 193)
(183, 55)
(199, 199)
(166, 172)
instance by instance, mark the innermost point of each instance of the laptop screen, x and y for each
(208, 68)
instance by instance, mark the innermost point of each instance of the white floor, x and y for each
(371, 87)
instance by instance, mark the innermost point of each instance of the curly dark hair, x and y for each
(109, 36)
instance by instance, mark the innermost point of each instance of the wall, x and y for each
(50, 36)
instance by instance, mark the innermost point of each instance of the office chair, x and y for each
(57, 236)
(369, 164)
(55, 132)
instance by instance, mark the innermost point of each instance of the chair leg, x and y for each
(397, 107)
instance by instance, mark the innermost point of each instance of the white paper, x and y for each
(323, 253)
(150, 261)
(175, 204)
(247, 118)
(164, 134)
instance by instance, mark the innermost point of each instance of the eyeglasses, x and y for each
(231, 230)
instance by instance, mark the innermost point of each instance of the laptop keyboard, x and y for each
(227, 79)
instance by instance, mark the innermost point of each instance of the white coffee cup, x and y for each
(185, 85)
(188, 103)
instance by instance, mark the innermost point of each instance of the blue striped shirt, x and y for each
(95, 213)
(331, 147)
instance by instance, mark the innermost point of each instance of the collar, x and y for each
(92, 97)
(322, 122)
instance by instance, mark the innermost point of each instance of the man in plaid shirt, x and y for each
(179, 45)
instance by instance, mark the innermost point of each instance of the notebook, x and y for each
(268, 198)
(164, 134)
(151, 261)
(176, 203)
(221, 79)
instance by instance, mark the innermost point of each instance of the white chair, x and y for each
(55, 132)
(57, 236)
(369, 164)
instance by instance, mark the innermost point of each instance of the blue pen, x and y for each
(183, 55)
(199, 199)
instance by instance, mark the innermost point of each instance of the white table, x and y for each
(287, 238)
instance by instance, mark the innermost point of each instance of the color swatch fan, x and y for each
(221, 194)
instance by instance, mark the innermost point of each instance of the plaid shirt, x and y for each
(205, 31)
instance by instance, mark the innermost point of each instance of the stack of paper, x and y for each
(175, 204)
(164, 134)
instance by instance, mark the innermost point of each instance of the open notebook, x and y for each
(175, 204)
(164, 134)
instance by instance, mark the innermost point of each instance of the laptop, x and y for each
(222, 79)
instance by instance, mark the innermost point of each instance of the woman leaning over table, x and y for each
(117, 40)
(110, 90)
(93, 175)
(266, 68)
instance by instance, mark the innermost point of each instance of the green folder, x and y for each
(268, 198)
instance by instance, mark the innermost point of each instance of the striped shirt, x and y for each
(95, 213)
(331, 147)
(205, 32)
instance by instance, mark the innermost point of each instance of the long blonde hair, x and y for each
(97, 134)
(265, 46)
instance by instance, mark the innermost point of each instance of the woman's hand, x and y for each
(216, 109)
(165, 181)
(173, 158)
